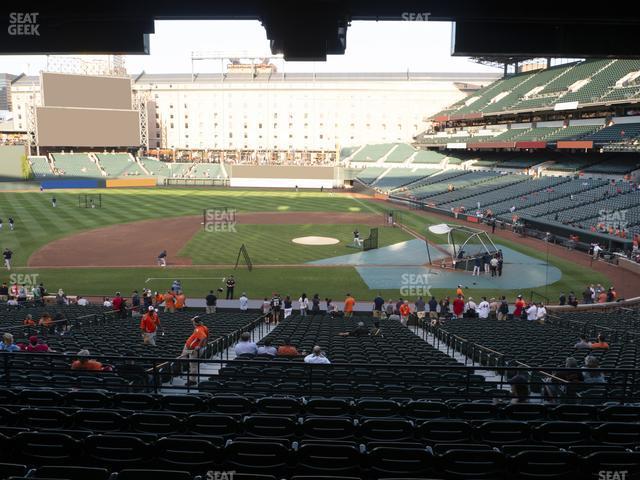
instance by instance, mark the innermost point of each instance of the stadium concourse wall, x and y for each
(284, 176)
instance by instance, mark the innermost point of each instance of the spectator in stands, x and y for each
(211, 300)
(378, 303)
(444, 306)
(28, 321)
(117, 304)
(61, 298)
(519, 388)
(192, 347)
(611, 294)
(135, 304)
(37, 346)
(317, 356)
(587, 295)
(169, 302)
(149, 326)
(600, 342)
(582, 342)
(267, 349)
(275, 306)
(286, 349)
(541, 314)
(7, 344)
(592, 377)
(85, 363)
(315, 304)
(244, 302)
(572, 299)
(562, 300)
(82, 302)
(376, 331)
(106, 303)
(287, 306)
(554, 388)
(181, 301)
(359, 331)
(133, 372)
(245, 345)
(420, 308)
(458, 307)
(266, 309)
(471, 309)
(519, 307)
(433, 308)
(493, 309)
(532, 312)
(459, 291)
(503, 309)
(349, 304)
(303, 301)
(4, 292)
(483, 308)
(405, 312)
(389, 308)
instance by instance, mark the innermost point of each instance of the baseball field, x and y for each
(97, 251)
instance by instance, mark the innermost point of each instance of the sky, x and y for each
(371, 47)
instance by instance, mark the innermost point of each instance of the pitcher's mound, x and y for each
(316, 240)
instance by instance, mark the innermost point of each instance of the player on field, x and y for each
(11, 222)
(162, 258)
(357, 241)
(7, 254)
(53, 202)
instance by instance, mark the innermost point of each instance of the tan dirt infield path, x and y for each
(139, 243)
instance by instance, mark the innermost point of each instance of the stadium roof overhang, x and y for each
(312, 29)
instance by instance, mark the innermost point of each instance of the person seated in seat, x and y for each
(376, 331)
(46, 322)
(7, 344)
(36, 346)
(359, 331)
(553, 388)
(28, 321)
(317, 357)
(266, 348)
(519, 388)
(85, 363)
(600, 343)
(582, 342)
(287, 350)
(245, 345)
(592, 377)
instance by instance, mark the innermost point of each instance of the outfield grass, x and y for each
(272, 245)
(37, 223)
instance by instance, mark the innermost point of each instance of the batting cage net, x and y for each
(392, 218)
(90, 200)
(371, 242)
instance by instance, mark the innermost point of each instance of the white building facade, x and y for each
(273, 111)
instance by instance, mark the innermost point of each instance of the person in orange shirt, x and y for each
(85, 363)
(349, 303)
(193, 345)
(601, 343)
(286, 349)
(169, 302)
(519, 307)
(181, 300)
(46, 322)
(405, 311)
(158, 299)
(28, 321)
(149, 326)
(602, 297)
